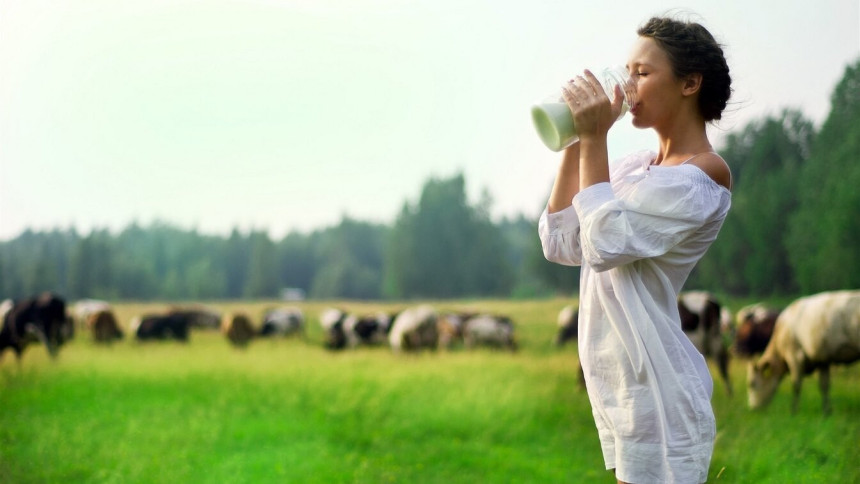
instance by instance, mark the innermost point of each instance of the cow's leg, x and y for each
(19, 356)
(824, 386)
(32, 329)
(723, 361)
(795, 371)
(796, 384)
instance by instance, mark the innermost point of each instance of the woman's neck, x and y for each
(683, 141)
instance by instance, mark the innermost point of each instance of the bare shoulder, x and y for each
(715, 167)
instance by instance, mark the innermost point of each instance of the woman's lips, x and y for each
(634, 109)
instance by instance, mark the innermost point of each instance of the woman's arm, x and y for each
(566, 183)
(594, 162)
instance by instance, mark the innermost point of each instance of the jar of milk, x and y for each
(554, 122)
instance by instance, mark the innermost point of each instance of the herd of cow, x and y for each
(810, 334)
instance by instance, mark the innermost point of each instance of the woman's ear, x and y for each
(692, 84)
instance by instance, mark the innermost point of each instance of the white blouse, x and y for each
(637, 238)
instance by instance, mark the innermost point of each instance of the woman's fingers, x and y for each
(579, 89)
(572, 94)
(593, 83)
(591, 107)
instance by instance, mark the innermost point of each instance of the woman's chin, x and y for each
(638, 122)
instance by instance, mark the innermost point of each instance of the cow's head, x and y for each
(51, 324)
(763, 379)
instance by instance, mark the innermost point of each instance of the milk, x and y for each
(552, 117)
(554, 124)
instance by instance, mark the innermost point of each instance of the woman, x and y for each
(637, 228)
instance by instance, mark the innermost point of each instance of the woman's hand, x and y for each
(593, 112)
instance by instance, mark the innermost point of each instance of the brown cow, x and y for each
(754, 329)
(238, 329)
(103, 326)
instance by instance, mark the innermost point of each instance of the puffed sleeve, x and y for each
(652, 214)
(559, 236)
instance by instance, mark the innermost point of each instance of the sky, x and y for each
(291, 115)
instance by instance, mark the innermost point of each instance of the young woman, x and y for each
(637, 228)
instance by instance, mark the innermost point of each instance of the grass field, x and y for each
(289, 411)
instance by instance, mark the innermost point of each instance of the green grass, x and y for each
(290, 411)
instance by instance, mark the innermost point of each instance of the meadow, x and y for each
(290, 411)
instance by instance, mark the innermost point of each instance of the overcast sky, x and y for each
(288, 115)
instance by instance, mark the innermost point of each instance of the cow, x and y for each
(568, 325)
(345, 330)
(238, 329)
(285, 321)
(370, 330)
(702, 321)
(38, 319)
(103, 326)
(489, 330)
(83, 308)
(811, 334)
(160, 327)
(198, 317)
(413, 329)
(331, 321)
(450, 328)
(754, 328)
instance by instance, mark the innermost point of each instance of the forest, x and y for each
(793, 229)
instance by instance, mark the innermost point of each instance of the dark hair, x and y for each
(692, 49)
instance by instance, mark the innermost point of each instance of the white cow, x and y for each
(810, 334)
(82, 309)
(488, 330)
(414, 328)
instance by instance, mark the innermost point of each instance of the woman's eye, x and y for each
(641, 74)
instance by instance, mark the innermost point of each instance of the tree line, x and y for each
(793, 228)
(440, 247)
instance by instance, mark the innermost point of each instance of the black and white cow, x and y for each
(568, 325)
(332, 320)
(40, 319)
(702, 321)
(285, 321)
(368, 329)
(344, 330)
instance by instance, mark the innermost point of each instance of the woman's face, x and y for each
(658, 91)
